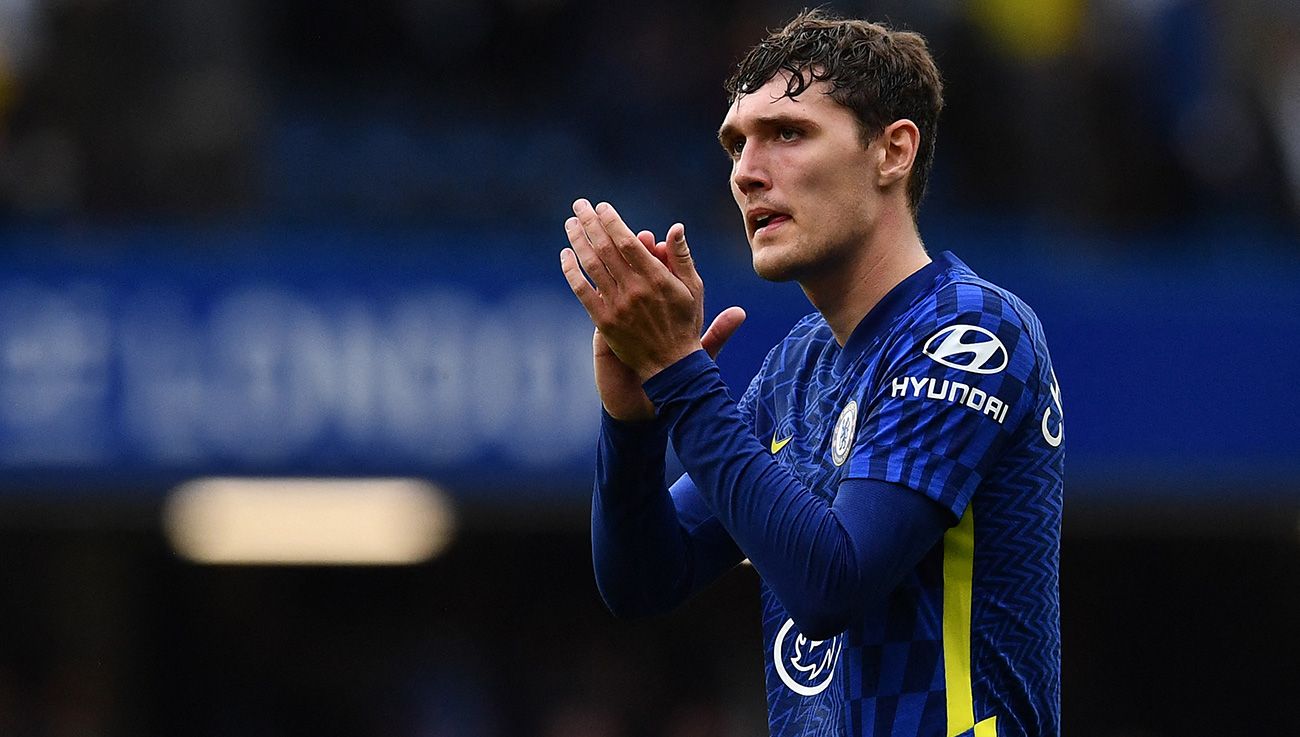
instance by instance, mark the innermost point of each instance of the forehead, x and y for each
(770, 101)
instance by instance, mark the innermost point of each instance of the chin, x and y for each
(771, 267)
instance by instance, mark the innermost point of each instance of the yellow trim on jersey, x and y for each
(958, 572)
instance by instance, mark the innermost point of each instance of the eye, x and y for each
(735, 147)
(788, 134)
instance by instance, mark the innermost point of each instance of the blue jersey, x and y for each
(946, 388)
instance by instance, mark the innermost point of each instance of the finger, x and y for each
(679, 255)
(660, 252)
(628, 244)
(586, 255)
(678, 248)
(720, 331)
(585, 293)
(601, 243)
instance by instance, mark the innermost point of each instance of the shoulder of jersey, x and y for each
(971, 304)
(963, 293)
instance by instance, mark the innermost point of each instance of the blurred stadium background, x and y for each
(316, 238)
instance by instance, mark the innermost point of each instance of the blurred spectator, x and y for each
(414, 112)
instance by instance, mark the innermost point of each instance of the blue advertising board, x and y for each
(134, 359)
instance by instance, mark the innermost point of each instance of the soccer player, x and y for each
(893, 471)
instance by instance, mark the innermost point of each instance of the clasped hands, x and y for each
(645, 298)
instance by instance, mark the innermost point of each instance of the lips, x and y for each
(763, 220)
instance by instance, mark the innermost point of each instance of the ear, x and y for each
(898, 144)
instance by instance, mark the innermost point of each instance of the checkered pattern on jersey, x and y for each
(921, 435)
(896, 683)
(801, 394)
(889, 677)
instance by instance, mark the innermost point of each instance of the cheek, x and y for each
(849, 189)
(818, 175)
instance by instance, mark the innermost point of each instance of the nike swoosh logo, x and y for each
(777, 445)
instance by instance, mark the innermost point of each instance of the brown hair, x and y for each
(880, 74)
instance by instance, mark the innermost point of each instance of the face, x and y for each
(802, 179)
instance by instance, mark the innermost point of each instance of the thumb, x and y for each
(680, 255)
(720, 331)
(676, 239)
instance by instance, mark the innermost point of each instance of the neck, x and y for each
(845, 293)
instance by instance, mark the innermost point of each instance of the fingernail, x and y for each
(602, 207)
(571, 222)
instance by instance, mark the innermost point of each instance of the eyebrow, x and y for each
(726, 134)
(730, 132)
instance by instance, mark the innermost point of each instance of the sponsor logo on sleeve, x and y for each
(950, 391)
(968, 348)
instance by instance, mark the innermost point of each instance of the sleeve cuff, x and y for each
(632, 434)
(665, 385)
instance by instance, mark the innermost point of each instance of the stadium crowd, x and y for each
(1111, 112)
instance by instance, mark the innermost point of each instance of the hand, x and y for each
(620, 388)
(650, 316)
(647, 304)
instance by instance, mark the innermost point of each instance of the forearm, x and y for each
(824, 561)
(645, 560)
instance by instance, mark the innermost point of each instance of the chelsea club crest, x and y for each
(842, 438)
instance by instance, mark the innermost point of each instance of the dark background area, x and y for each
(108, 633)
(1131, 168)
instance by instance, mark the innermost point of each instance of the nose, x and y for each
(749, 173)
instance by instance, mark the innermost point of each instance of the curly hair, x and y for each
(882, 75)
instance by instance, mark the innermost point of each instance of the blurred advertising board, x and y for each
(137, 359)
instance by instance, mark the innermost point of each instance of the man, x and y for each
(893, 471)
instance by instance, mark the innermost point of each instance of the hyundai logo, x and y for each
(967, 347)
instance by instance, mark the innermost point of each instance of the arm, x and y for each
(825, 562)
(651, 550)
(649, 311)
(918, 457)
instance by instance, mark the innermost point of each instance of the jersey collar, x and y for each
(894, 303)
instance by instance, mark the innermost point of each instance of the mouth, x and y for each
(765, 221)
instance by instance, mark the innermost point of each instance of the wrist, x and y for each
(643, 414)
(649, 371)
(665, 385)
(634, 433)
